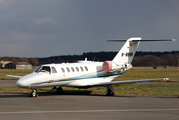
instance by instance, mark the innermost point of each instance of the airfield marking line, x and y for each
(86, 111)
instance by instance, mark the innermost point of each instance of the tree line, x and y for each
(157, 59)
(141, 59)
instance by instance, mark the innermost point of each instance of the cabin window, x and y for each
(63, 70)
(73, 70)
(81, 69)
(77, 69)
(68, 69)
(54, 70)
(86, 68)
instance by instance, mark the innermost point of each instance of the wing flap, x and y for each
(128, 81)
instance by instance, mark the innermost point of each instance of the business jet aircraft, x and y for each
(84, 74)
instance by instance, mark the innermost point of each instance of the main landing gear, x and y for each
(59, 89)
(34, 93)
(110, 90)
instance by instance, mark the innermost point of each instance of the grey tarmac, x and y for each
(7, 83)
(15, 106)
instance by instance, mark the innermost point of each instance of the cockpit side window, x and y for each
(54, 70)
(37, 69)
(45, 69)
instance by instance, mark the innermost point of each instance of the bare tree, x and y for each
(34, 61)
(5, 58)
(23, 59)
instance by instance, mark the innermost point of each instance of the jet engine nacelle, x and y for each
(108, 66)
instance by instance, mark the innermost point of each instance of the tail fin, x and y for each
(127, 52)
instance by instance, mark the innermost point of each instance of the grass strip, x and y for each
(134, 89)
(4, 72)
(137, 73)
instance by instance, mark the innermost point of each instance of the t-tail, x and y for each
(127, 52)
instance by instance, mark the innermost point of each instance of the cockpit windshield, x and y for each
(45, 69)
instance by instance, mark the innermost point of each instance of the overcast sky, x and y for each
(43, 28)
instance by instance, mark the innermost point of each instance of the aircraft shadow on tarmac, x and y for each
(12, 95)
(67, 92)
(42, 94)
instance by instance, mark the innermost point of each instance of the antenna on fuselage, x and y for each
(85, 59)
(94, 59)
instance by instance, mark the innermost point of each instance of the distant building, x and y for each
(23, 65)
(11, 65)
(3, 63)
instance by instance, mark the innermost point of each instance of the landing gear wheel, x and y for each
(59, 90)
(34, 93)
(110, 90)
(110, 93)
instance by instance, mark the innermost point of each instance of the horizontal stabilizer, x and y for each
(129, 81)
(141, 40)
(13, 76)
(127, 52)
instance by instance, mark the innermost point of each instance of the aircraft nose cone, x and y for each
(20, 83)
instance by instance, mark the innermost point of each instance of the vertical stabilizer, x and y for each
(127, 52)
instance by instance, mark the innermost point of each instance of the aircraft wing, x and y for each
(13, 76)
(128, 81)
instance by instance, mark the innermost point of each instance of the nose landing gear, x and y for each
(34, 93)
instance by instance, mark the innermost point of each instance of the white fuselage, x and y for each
(84, 74)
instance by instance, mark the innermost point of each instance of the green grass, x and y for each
(150, 73)
(4, 72)
(148, 90)
(124, 89)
